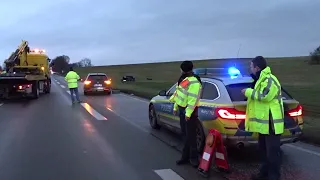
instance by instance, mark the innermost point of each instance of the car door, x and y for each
(166, 108)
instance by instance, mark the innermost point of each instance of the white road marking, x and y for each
(62, 86)
(130, 122)
(58, 82)
(303, 149)
(139, 99)
(168, 174)
(93, 112)
(1, 104)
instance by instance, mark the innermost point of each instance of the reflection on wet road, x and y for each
(108, 137)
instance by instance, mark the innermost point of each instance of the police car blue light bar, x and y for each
(233, 72)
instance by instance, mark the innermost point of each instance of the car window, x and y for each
(209, 91)
(235, 94)
(97, 77)
(172, 89)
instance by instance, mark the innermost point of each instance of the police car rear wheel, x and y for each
(153, 120)
(200, 137)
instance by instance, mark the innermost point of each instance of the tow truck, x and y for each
(26, 74)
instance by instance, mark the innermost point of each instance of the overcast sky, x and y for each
(135, 31)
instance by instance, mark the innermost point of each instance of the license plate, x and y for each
(97, 85)
(100, 89)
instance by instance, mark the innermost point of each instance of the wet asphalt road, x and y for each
(49, 139)
(109, 137)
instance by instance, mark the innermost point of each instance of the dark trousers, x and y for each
(188, 129)
(74, 91)
(271, 155)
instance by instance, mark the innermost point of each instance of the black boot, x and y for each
(194, 163)
(182, 161)
(259, 176)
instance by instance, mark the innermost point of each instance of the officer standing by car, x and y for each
(265, 116)
(72, 80)
(186, 98)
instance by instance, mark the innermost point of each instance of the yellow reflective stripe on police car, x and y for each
(169, 116)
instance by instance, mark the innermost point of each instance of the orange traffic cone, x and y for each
(214, 147)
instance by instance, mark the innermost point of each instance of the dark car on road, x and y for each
(97, 83)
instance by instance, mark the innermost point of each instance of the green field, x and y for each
(294, 73)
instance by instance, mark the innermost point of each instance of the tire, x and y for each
(200, 138)
(48, 88)
(85, 93)
(153, 120)
(35, 90)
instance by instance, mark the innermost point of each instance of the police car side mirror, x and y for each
(163, 93)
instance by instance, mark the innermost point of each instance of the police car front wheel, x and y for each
(153, 120)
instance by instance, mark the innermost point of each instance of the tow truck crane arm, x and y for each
(21, 52)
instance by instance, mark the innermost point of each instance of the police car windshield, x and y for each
(235, 94)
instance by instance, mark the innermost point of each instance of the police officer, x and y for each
(185, 100)
(265, 116)
(72, 80)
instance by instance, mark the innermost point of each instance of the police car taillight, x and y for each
(230, 114)
(296, 111)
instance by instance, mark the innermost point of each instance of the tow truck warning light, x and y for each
(37, 51)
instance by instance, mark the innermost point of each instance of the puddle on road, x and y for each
(243, 163)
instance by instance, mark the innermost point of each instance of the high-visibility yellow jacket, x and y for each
(265, 100)
(72, 79)
(187, 95)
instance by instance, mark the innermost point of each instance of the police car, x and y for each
(222, 106)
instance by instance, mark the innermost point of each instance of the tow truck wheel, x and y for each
(35, 90)
(153, 120)
(47, 88)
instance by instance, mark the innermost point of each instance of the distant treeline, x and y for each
(61, 64)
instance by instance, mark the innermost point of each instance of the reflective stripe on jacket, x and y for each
(187, 95)
(264, 99)
(72, 79)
